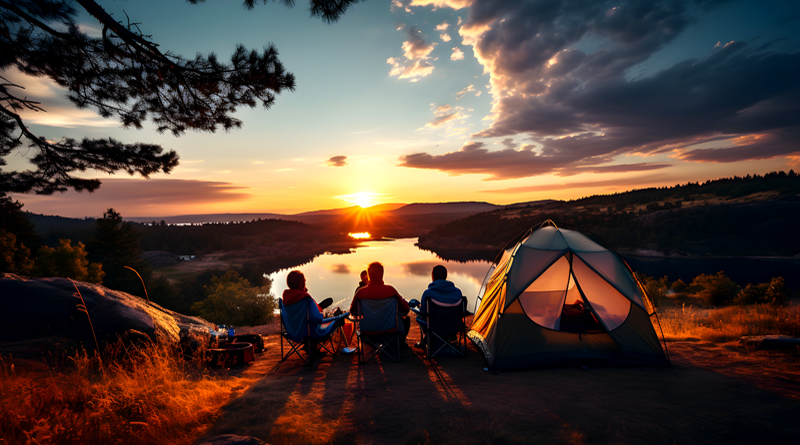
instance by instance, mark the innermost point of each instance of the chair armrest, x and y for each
(338, 317)
(355, 318)
(419, 312)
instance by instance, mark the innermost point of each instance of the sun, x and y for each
(361, 199)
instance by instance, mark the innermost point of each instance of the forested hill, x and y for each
(752, 215)
(192, 239)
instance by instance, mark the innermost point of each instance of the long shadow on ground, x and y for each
(453, 400)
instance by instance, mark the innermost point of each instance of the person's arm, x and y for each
(354, 305)
(402, 304)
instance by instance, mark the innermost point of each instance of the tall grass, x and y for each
(147, 395)
(729, 323)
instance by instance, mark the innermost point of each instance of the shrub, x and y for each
(67, 261)
(715, 290)
(773, 292)
(679, 286)
(656, 289)
(14, 256)
(231, 300)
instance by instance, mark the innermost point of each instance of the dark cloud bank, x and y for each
(581, 109)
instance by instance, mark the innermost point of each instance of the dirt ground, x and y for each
(711, 394)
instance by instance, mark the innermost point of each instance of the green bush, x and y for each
(230, 299)
(773, 292)
(715, 290)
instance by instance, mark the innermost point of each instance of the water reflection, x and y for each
(408, 269)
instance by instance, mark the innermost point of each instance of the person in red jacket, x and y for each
(377, 290)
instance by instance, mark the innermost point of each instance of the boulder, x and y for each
(34, 308)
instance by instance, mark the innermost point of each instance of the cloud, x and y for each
(416, 51)
(399, 25)
(457, 54)
(139, 197)
(59, 111)
(466, 90)
(778, 143)
(509, 163)
(454, 4)
(445, 37)
(440, 121)
(415, 47)
(337, 161)
(445, 115)
(615, 184)
(569, 77)
(442, 26)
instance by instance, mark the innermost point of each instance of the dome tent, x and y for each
(558, 296)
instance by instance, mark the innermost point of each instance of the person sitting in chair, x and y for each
(297, 291)
(440, 290)
(364, 280)
(377, 290)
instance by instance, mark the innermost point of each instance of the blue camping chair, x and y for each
(443, 326)
(302, 325)
(380, 326)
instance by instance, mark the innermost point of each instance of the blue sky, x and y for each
(463, 100)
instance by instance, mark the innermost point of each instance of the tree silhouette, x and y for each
(122, 74)
(116, 245)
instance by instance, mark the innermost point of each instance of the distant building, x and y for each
(186, 257)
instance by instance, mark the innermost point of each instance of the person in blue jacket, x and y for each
(440, 290)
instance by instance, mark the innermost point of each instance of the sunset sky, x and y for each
(460, 100)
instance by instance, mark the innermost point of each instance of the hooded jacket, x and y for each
(440, 290)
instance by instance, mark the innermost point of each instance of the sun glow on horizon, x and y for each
(362, 199)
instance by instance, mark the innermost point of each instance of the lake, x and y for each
(407, 268)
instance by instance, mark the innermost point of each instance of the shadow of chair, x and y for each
(443, 327)
(380, 326)
(304, 334)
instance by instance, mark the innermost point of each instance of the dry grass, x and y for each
(730, 323)
(150, 395)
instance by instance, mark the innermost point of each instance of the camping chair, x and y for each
(380, 326)
(443, 324)
(300, 332)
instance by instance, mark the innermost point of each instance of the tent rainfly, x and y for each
(557, 296)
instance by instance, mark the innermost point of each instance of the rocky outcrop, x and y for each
(34, 308)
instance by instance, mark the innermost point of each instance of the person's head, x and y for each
(375, 272)
(364, 276)
(296, 280)
(439, 273)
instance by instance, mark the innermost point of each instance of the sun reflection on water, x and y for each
(360, 235)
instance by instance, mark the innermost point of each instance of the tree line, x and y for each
(765, 227)
(112, 256)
